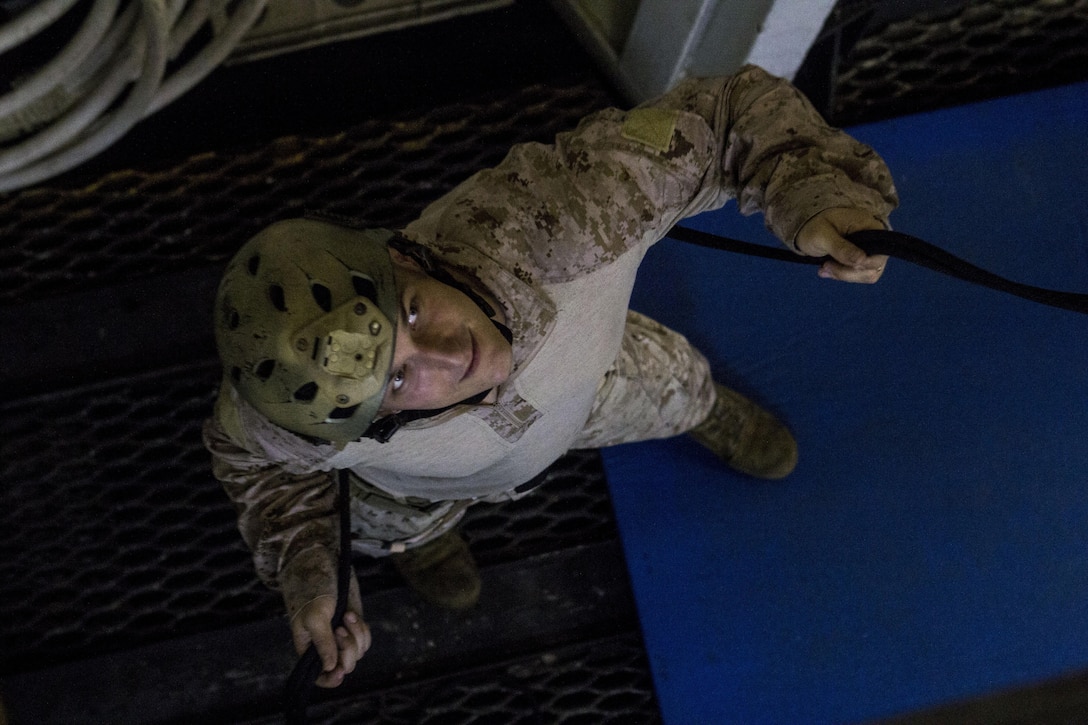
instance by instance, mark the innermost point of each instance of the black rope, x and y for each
(300, 683)
(901, 246)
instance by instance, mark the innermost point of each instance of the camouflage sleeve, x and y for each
(777, 155)
(289, 521)
(621, 179)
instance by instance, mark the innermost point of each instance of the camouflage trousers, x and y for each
(659, 386)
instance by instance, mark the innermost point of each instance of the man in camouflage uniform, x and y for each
(552, 238)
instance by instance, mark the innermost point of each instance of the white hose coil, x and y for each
(59, 117)
(32, 22)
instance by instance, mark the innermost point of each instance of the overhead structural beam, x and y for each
(647, 46)
(787, 33)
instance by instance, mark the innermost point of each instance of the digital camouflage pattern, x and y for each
(556, 233)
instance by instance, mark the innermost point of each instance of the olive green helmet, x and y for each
(305, 321)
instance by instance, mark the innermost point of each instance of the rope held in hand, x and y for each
(901, 246)
(300, 683)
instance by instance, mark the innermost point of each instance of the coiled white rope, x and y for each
(32, 21)
(71, 108)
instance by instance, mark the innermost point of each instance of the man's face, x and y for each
(446, 348)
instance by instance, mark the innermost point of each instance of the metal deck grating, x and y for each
(877, 59)
(116, 535)
(962, 53)
(603, 682)
(138, 223)
(114, 532)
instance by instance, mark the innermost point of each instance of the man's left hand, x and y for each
(824, 236)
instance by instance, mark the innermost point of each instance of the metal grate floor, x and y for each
(134, 223)
(877, 59)
(114, 538)
(115, 535)
(603, 682)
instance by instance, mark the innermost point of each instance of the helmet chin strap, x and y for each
(383, 428)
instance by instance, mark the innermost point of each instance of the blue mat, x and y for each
(933, 543)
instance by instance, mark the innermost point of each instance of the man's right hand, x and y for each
(339, 650)
(825, 235)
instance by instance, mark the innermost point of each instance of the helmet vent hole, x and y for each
(343, 413)
(264, 369)
(364, 287)
(233, 319)
(275, 293)
(322, 296)
(306, 393)
(254, 264)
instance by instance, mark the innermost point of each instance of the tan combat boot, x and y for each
(442, 571)
(746, 437)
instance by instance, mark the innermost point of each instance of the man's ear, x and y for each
(403, 260)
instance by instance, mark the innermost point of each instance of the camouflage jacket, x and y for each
(556, 233)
